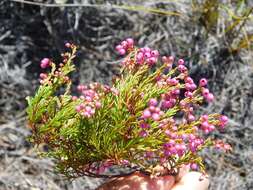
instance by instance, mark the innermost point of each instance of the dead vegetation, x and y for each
(215, 39)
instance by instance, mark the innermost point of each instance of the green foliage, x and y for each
(83, 144)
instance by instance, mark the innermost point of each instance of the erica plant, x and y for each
(145, 121)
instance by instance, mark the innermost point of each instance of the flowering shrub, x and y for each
(144, 121)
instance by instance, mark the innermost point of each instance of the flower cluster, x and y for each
(153, 111)
(147, 55)
(90, 100)
(59, 75)
(45, 63)
(181, 139)
(147, 118)
(125, 46)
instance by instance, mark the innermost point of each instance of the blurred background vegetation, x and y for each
(213, 36)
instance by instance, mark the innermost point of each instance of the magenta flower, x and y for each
(203, 82)
(180, 62)
(44, 63)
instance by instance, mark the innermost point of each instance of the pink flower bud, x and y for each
(161, 113)
(176, 91)
(167, 153)
(182, 68)
(45, 63)
(188, 80)
(171, 59)
(164, 59)
(67, 45)
(188, 94)
(167, 132)
(206, 131)
(180, 62)
(182, 147)
(115, 91)
(194, 166)
(195, 128)
(147, 49)
(98, 105)
(184, 137)
(187, 86)
(174, 128)
(203, 82)
(152, 108)
(205, 92)
(173, 101)
(191, 118)
(192, 147)
(155, 116)
(151, 60)
(193, 86)
(166, 104)
(122, 51)
(155, 53)
(224, 119)
(86, 114)
(124, 44)
(119, 47)
(88, 109)
(140, 56)
(149, 154)
(88, 98)
(191, 109)
(204, 117)
(147, 55)
(205, 125)
(172, 81)
(192, 137)
(211, 128)
(42, 81)
(74, 98)
(144, 125)
(125, 162)
(143, 133)
(157, 110)
(43, 76)
(162, 160)
(152, 102)
(182, 104)
(80, 88)
(177, 146)
(173, 150)
(146, 114)
(78, 108)
(142, 50)
(130, 42)
(92, 111)
(173, 135)
(209, 97)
